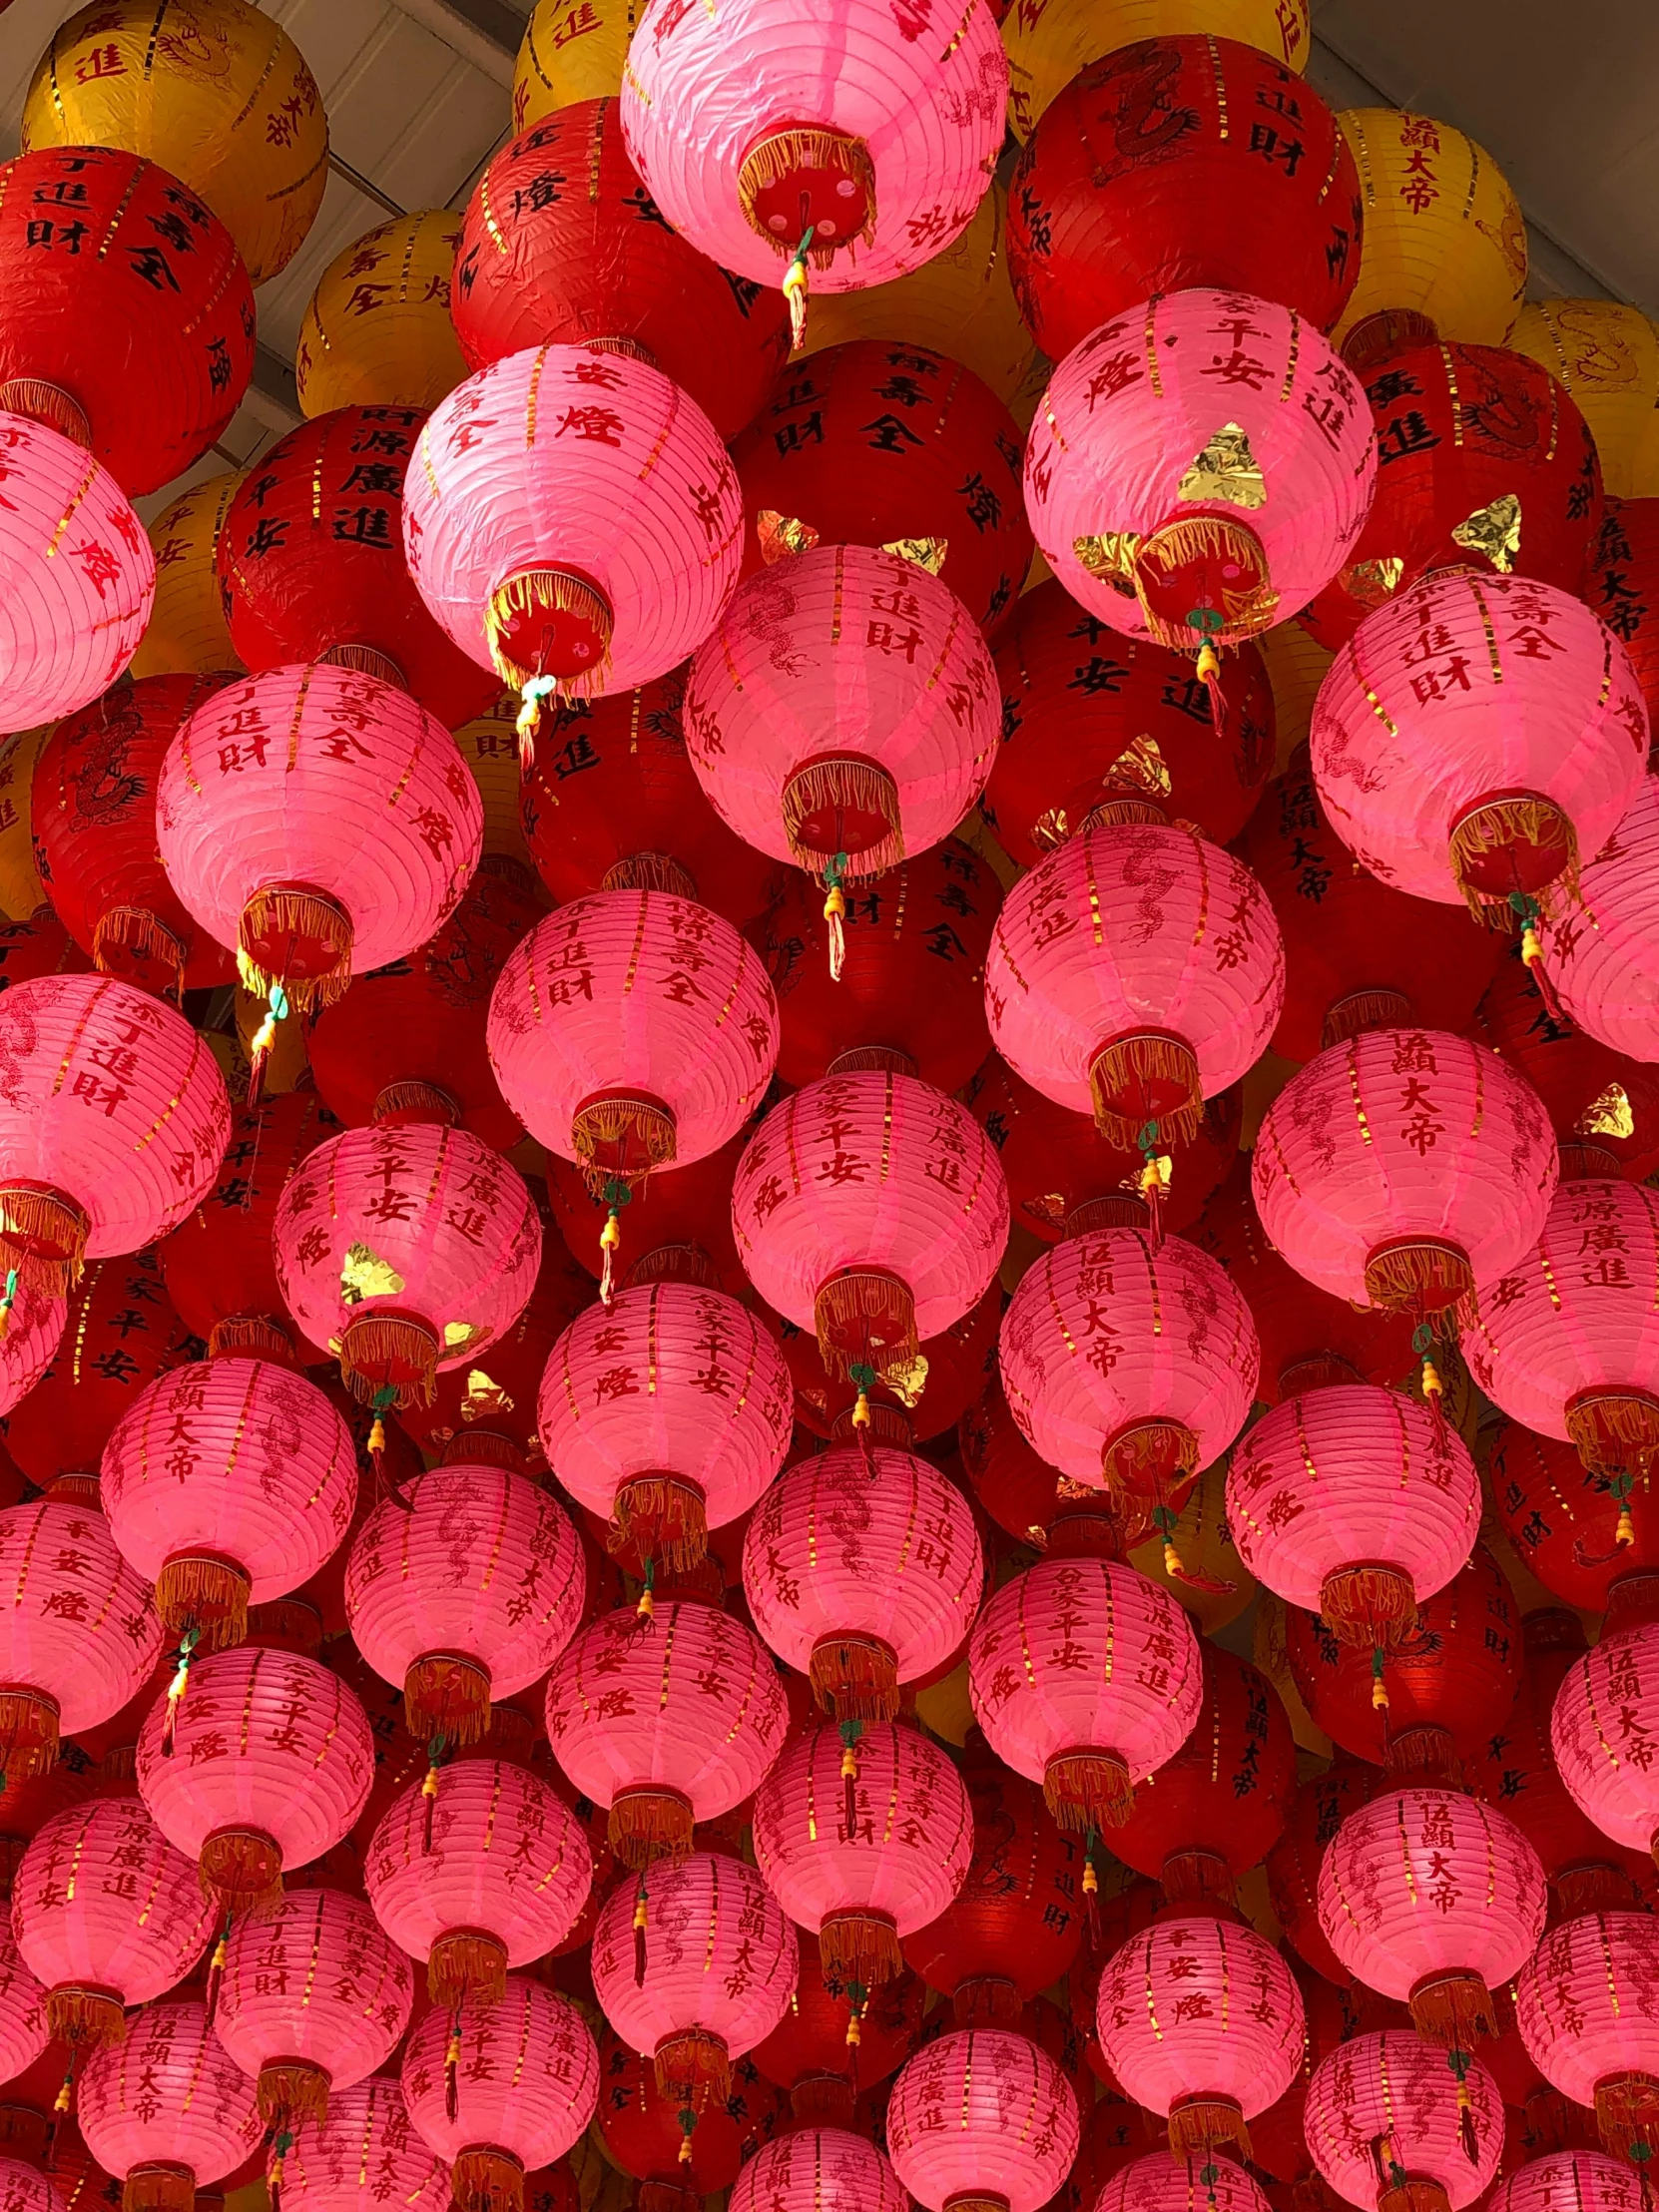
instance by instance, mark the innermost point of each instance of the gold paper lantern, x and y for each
(489, 747)
(1049, 41)
(213, 90)
(1443, 253)
(944, 1707)
(21, 891)
(1607, 356)
(187, 634)
(1267, 1651)
(1204, 1544)
(570, 50)
(377, 332)
(1296, 669)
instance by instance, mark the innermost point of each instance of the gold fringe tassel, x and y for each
(1417, 1277)
(1361, 1010)
(28, 1733)
(1128, 1077)
(1201, 540)
(976, 2200)
(1088, 1788)
(649, 871)
(241, 1867)
(784, 154)
(196, 1590)
(648, 1825)
(366, 659)
(860, 1947)
(1425, 1755)
(539, 592)
(155, 2187)
(292, 2090)
(663, 1517)
(615, 1135)
(1612, 1428)
(446, 1695)
(1499, 827)
(1197, 1877)
(313, 935)
(852, 800)
(864, 1315)
(464, 1963)
(486, 2180)
(1414, 2196)
(47, 404)
(1453, 2011)
(693, 2065)
(1149, 1459)
(1373, 1608)
(855, 1678)
(1627, 2113)
(250, 1337)
(390, 1351)
(411, 1100)
(1199, 2125)
(44, 1235)
(86, 2017)
(145, 938)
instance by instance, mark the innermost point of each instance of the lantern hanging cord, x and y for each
(281, 2144)
(382, 1403)
(1091, 1890)
(835, 913)
(1209, 619)
(796, 284)
(216, 1968)
(435, 1750)
(177, 1687)
(1434, 1387)
(645, 1611)
(858, 2004)
(1378, 1687)
(850, 1730)
(1157, 1168)
(616, 1195)
(1529, 913)
(264, 1040)
(641, 1915)
(1459, 2062)
(864, 1380)
(452, 2067)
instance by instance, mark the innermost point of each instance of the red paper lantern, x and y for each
(1016, 1488)
(1563, 1518)
(1586, 2008)
(167, 2110)
(38, 946)
(811, 2053)
(1603, 1107)
(1321, 1803)
(1388, 2101)
(366, 2150)
(959, 1359)
(641, 2129)
(981, 2102)
(120, 1334)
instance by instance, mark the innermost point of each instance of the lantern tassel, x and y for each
(858, 2001)
(850, 1730)
(281, 2147)
(264, 1040)
(1091, 1893)
(688, 2128)
(533, 691)
(616, 1195)
(430, 1794)
(1378, 1687)
(1166, 1523)
(7, 1299)
(1458, 2061)
(646, 1610)
(176, 1689)
(1155, 1180)
(864, 1378)
(216, 1968)
(452, 2068)
(642, 1897)
(795, 287)
(1209, 675)
(835, 913)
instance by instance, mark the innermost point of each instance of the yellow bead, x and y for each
(377, 332)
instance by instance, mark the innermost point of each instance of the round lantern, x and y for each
(1105, 200)
(1403, 1167)
(1387, 2124)
(890, 446)
(914, 1404)
(77, 573)
(829, 2169)
(1444, 248)
(376, 330)
(1581, 2179)
(1161, 2184)
(982, 2117)
(466, 1592)
(1600, 1727)
(1088, 1728)
(539, 265)
(521, 2097)
(1091, 719)
(187, 633)
(1172, 524)
(24, 2036)
(572, 521)
(641, 2133)
(228, 1483)
(113, 1120)
(1599, 944)
(780, 139)
(166, 2109)
(1599, 1103)
(1586, 2009)
(311, 561)
(1565, 1518)
(871, 1209)
(631, 1419)
(666, 1727)
(118, 1335)
(40, 946)
(808, 2052)
(313, 1998)
(863, 1851)
(365, 2152)
(220, 96)
(106, 1915)
(1047, 42)
(1201, 2020)
(1321, 1803)
(877, 647)
(34, 1329)
(1605, 353)
(1019, 1491)
(572, 50)
(94, 812)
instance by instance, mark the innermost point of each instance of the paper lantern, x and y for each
(220, 97)
(1618, 585)
(579, 536)
(24, 2036)
(862, 1850)
(376, 330)
(1599, 944)
(1403, 1167)
(120, 1332)
(871, 1209)
(1319, 1806)
(524, 2095)
(187, 634)
(1576, 2177)
(365, 2152)
(1563, 1518)
(1598, 1102)
(1091, 720)
(1088, 1733)
(468, 1596)
(887, 445)
(829, 2169)
(1600, 1726)
(913, 1405)
(982, 2105)
(570, 50)
(1385, 2115)
(1585, 2006)
(1445, 250)
(318, 823)
(1107, 193)
(33, 1331)
(859, 145)
(1048, 41)
(107, 1914)
(807, 2052)
(1606, 355)
(166, 2109)
(862, 1572)
(877, 649)
(1136, 492)
(40, 946)
(641, 2134)
(1201, 2022)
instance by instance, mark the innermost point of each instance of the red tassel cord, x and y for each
(1620, 1485)
(1209, 675)
(1459, 2062)
(646, 1610)
(1529, 915)
(1091, 1894)
(615, 1196)
(641, 1898)
(63, 2105)
(850, 1730)
(858, 2002)
(1434, 1389)
(863, 1378)
(382, 1402)
(1155, 1179)
(429, 1793)
(281, 2144)
(531, 695)
(794, 289)
(1166, 1522)
(177, 1687)
(835, 913)
(216, 1968)
(264, 1040)
(452, 2068)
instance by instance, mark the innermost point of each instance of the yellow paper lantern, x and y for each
(1049, 41)
(960, 304)
(21, 891)
(944, 1707)
(377, 332)
(1607, 356)
(570, 50)
(489, 747)
(213, 90)
(1296, 669)
(1267, 1651)
(1444, 248)
(187, 634)
(1205, 1546)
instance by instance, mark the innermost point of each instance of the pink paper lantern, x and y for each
(76, 576)
(1085, 1676)
(24, 2035)
(709, 1974)
(1404, 1167)
(364, 2156)
(1134, 973)
(227, 1482)
(665, 1724)
(1129, 1362)
(862, 1574)
(872, 1209)
(166, 2110)
(26, 2189)
(263, 1766)
(671, 1410)
(406, 1248)
(1430, 1898)
(1603, 946)
(849, 131)
(113, 1121)
(1201, 2020)
(571, 518)
(1602, 1727)
(1569, 2181)
(34, 1328)
(1477, 737)
(107, 1914)
(1164, 2184)
(313, 1998)
(884, 660)
(1385, 2115)
(1587, 2008)
(466, 1592)
(1199, 468)
(522, 2095)
(491, 1870)
(318, 823)
(829, 2169)
(1353, 1503)
(862, 1843)
(982, 2116)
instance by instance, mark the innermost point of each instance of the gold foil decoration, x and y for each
(1494, 532)
(485, 1396)
(927, 553)
(457, 1332)
(1110, 555)
(1226, 470)
(363, 1274)
(1607, 1116)
(907, 1378)
(1374, 582)
(780, 536)
(1140, 768)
